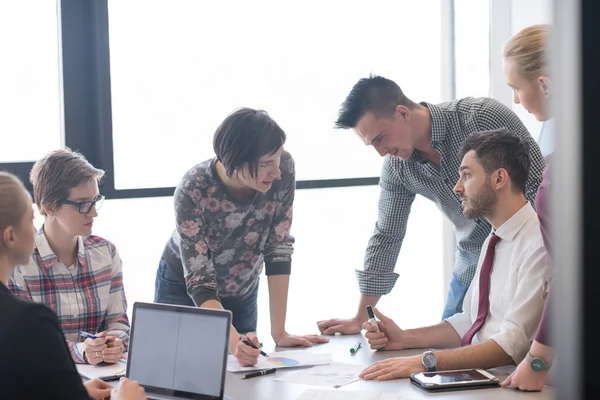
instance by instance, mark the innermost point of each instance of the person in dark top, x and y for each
(35, 361)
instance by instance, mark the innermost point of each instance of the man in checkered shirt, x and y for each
(420, 143)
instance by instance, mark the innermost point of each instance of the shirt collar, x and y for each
(509, 229)
(47, 255)
(438, 123)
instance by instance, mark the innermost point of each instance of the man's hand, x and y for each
(93, 348)
(98, 389)
(287, 340)
(128, 390)
(393, 368)
(389, 335)
(246, 355)
(525, 378)
(114, 351)
(336, 325)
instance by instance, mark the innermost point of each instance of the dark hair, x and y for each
(244, 137)
(501, 149)
(54, 175)
(374, 94)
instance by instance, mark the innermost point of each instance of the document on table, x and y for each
(106, 372)
(333, 375)
(282, 359)
(322, 394)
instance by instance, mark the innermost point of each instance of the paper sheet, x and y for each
(322, 394)
(104, 371)
(332, 375)
(282, 359)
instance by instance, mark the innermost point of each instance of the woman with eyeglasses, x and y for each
(76, 274)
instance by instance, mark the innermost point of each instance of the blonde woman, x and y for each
(527, 72)
(76, 274)
(35, 361)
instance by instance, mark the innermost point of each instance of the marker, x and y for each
(355, 348)
(372, 319)
(258, 373)
(247, 342)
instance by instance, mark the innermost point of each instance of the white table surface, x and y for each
(267, 388)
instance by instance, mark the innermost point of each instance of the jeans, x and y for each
(456, 295)
(169, 289)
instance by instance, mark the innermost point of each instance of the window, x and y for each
(472, 46)
(331, 239)
(179, 67)
(29, 80)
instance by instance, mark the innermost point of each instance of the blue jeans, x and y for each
(169, 289)
(456, 295)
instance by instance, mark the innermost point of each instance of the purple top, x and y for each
(542, 206)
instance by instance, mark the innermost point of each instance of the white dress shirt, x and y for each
(516, 286)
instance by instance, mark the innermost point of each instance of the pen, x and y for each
(87, 335)
(372, 319)
(258, 373)
(247, 342)
(355, 348)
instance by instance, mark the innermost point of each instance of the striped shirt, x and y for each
(401, 180)
(88, 296)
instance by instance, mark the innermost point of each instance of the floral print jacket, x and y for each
(219, 244)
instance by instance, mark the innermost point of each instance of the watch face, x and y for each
(430, 360)
(537, 364)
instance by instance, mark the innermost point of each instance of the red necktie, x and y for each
(484, 290)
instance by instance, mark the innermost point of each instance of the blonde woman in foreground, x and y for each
(527, 73)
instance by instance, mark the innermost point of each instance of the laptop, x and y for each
(179, 352)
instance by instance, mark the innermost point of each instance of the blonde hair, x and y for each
(14, 200)
(59, 171)
(528, 49)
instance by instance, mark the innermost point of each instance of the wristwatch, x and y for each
(429, 361)
(537, 364)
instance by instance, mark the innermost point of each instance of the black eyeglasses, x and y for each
(86, 206)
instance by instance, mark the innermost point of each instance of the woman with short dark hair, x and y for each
(233, 213)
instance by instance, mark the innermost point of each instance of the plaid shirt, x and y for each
(88, 296)
(401, 180)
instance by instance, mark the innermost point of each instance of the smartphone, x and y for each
(462, 379)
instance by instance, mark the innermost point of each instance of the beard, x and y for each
(482, 204)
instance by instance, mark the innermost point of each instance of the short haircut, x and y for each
(501, 149)
(14, 200)
(55, 174)
(529, 51)
(244, 137)
(374, 94)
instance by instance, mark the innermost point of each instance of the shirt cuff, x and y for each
(78, 350)
(375, 284)
(514, 343)
(202, 295)
(278, 268)
(461, 323)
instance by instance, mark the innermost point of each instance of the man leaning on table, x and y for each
(503, 305)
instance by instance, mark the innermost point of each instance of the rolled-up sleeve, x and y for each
(522, 317)
(280, 243)
(462, 322)
(395, 201)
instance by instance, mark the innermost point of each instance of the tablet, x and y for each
(454, 380)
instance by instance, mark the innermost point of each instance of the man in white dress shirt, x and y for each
(504, 303)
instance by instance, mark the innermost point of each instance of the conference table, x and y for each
(267, 388)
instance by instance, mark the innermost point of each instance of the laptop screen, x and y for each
(179, 351)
